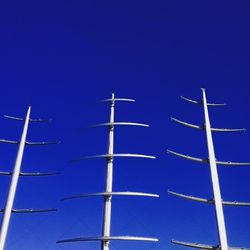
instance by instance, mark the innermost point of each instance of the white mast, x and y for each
(8, 210)
(109, 178)
(216, 200)
(106, 236)
(13, 185)
(215, 179)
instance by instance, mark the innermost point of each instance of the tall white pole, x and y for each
(13, 185)
(109, 179)
(215, 179)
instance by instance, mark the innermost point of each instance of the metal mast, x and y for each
(215, 179)
(8, 210)
(13, 185)
(105, 237)
(216, 200)
(109, 178)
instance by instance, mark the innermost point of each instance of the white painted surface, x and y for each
(215, 179)
(109, 179)
(13, 185)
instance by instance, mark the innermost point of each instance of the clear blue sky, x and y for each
(62, 56)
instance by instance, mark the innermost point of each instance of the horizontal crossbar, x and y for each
(128, 193)
(41, 143)
(209, 201)
(22, 119)
(31, 174)
(117, 99)
(195, 245)
(108, 156)
(202, 127)
(205, 160)
(102, 238)
(31, 210)
(119, 124)
(203, 246)
(201, 103)
(29, 143)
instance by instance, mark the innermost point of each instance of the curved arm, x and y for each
(5, 173)
(41, 143)
(100, 238)
(14, 118)
(110, 193)
(201, 103)
(188, 157)
(9, 141)
(231, 163)
(117, 99)
(188, 124)
(195, 245)
(39, 174)
(223, 163)
(228, 129)
(108, 156)
(22, 119)
(209, 201)
(119, 124)
(40, 120)
(202, 127)
(31, 210)
(190, 197)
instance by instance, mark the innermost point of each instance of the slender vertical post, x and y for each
(13, 185)
(215, 179)
(109, 179)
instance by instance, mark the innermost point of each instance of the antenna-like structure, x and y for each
(216, 200)
(8, 210)
(105, 237)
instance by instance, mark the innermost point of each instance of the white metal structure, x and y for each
(8, 210)
(215, 179)
(216, 200)
(105, 238)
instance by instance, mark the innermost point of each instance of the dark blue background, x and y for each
(62, 56)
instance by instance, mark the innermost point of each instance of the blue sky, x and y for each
(62, 56)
